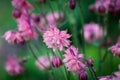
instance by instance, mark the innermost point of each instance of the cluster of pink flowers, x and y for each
(13, 65)
(73, 60)
(92, 32)
(22, 16)
(56, 39)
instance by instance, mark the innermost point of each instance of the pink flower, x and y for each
(13, 66)
(20, 4)
(115, 49)
(73, 60)
(52, 18)
(24, 26)
(106, 78)
(43, 63)
(54, 38)
(13, 37)
(92, 32)
(38, 22)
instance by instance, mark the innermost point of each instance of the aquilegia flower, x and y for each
(54, 38)
(43, 63)
(13, 65)
(73, 60)
(13, 37)
(92, 32)
(115, 49)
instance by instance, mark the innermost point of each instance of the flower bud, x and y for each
(83, 76)
(102, 9)
(42, 1)
(91, 8)
(72, 4)
(56, 62)
(16, 13)
(90, 62)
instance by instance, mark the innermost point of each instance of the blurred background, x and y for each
(7, 22)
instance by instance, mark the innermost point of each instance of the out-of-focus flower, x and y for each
(38, 22)
(54, 17)
(102, 6)
(56, 62)
(13, 66)
(115, 49)
(72, 4)
(92, 32)
(13, 37)
(20, 4)
(56, 39)
(73, 60)
(90, 62)
(43, 63)
(24, 26)
(83, 75)
(106, 78)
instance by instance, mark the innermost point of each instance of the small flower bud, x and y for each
(83, 76)
(90, 62)
(72, 4)
(56, 62)
(91, 8)
(16, 13)
(101, 9)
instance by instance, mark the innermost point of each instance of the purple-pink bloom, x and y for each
(13, 37)
(73, 60)
(22, 4)
(56, 39)
(13, 66)
(24, 26)
(92, 32)
(115, 49)
(43, 63)
(52, 18)
(56, 62)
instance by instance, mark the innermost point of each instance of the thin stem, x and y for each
(64, 69)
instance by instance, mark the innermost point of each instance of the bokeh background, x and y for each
(72, 19)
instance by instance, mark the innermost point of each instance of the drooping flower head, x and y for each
(56, 62)
(92, 32)
(56, 39)
(13, 65)
(43, 63)
(73, 60)
(13, 37)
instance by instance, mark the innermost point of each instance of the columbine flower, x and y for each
(54, 38)
(83, 75)
(20, 4)
(92, 32)
(115, 49)
(56, 62)
(52, 18)
(43, 63)
(38, 22)
(24, 26)
(13, 37)
(13, 66)
(73, 60)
